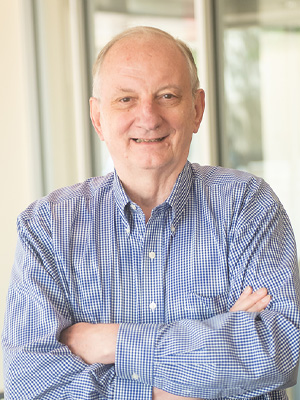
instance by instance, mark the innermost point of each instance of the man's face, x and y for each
(146, 113)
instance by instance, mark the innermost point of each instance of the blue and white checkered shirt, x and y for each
(85, 254)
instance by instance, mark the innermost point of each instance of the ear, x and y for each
(199, 104)
(95, 116)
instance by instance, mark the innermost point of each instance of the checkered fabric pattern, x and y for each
(85, 254)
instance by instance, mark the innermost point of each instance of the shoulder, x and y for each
(234, 186)
(69, 197)
(220, 176)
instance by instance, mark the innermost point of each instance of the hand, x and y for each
(158, 394)
(93, 343)
(252, 301)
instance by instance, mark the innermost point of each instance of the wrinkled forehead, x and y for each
(143, 48)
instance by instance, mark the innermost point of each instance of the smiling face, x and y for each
(146, 113)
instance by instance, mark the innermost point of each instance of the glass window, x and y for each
(259, 64)
(260, 128)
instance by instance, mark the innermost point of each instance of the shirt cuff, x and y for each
(135, 352)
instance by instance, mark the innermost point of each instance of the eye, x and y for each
(125, 100)
(169, 99)
(168, 96)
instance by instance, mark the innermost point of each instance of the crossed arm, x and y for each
(96, 343)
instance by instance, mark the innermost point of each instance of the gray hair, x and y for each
(146, 30)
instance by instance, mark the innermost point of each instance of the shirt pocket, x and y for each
(203, 307)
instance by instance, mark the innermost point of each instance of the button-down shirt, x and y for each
(85, 254)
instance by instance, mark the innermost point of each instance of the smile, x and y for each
(148, 140)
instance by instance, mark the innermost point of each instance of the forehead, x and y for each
(147, 53)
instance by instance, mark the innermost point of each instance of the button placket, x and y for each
(155, 235)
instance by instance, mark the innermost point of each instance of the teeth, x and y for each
(148, 140)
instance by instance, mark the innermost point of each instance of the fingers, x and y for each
(252, 301)
(241, 303)
(261, 304)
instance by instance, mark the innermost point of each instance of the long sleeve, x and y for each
(85, 254)
(36, 365)
(211, 360)
(71, 266)
(229, 355)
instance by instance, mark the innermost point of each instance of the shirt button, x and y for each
(172, 228)
(153, 306)
(135, 376)
(152, 254)
(128, 230)
(133, 206)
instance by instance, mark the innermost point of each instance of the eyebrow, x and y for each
(129, 90)
(125, 90)
(170, 87)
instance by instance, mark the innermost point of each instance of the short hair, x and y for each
(146, 30)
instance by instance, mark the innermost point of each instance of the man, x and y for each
(139, 285)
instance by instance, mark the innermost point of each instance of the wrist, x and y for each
(109, 334)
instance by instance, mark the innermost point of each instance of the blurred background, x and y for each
(248, 56)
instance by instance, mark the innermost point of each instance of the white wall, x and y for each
(61, 108)
(280, 91)
(17, 179)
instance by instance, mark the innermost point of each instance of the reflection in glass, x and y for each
(242, 97)
(261, 120)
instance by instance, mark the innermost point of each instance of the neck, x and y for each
(148, 188)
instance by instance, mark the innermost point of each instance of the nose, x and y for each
(149, 117)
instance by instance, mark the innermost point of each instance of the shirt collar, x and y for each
(176, 200)
(120, 195)
(121, 198)
(180, 192)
